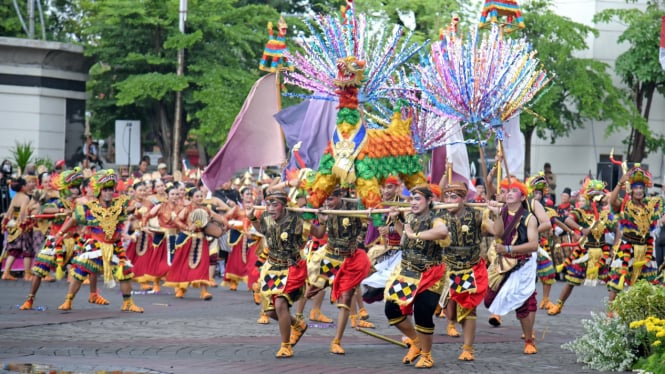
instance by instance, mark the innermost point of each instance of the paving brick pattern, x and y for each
(221, 336)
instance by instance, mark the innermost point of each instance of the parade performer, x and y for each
(139, 244)
(465, 267)
(103, 219)
(162, 248)
(312, 246)
(589, 261)
(284, 274)
(216, 205)
(56, 256)
(383, 247)
(342, 258)
(637, 216)
(516, 245)
(18, 227)
(40, 227)
(545, 216)
(416, 284)
(190, 266)
(242, 258)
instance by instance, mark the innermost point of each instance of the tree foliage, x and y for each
(9, 23)
(582, 89)
(639, 68)
(135, 46)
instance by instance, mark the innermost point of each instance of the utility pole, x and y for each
(177, 123)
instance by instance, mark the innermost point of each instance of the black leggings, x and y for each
(424, 305)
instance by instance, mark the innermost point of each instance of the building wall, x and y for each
(575, 156)
(39, 81)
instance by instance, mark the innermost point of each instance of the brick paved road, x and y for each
(221, 336)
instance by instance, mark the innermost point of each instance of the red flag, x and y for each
(255, 138)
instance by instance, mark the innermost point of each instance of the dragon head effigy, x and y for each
(350, 72)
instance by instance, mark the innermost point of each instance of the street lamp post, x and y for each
(177, 123)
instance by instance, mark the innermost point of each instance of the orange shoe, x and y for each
(49, 278)
(315, 315)
(546, 303)
(234, 287)
(530, 347)
(129, 306)
(86, 281)
(263, 319)
(413, 353)
(363, 314)
(205, 295)
(359, 323)
(156, 287)
(213, 283)
(297, 330)
(467, 353)
(555, 309)
(336, 347)
(452, 331)
(426, 361)
(285, 351)
(145, 286)
(96, 298)
(67, 305)
(27, 304)
(180, 292)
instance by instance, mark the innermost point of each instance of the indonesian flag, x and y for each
(662, 43)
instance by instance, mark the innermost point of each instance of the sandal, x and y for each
(530, 347)
(426, 361)
(96, 298)
(467, 353)
(413, 353)
(315, 315)
(297, 330)
(359, 323)
(129, 306)
(452, 331)
(285, 351)
(336, 347)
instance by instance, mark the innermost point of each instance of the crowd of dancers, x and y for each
(431, 251)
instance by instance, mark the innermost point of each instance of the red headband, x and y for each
(515, 183)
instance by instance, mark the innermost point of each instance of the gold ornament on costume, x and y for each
(346, 222)
(465, 228)
(108, 218)
(284, 236)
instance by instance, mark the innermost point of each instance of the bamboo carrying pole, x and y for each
(402, 207)
(383, 337)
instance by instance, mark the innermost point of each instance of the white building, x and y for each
(42, 97)
(573, 157)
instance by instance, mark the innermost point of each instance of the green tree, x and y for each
(582, 89)
(9, 22)
(135, 44)
(639, 68)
